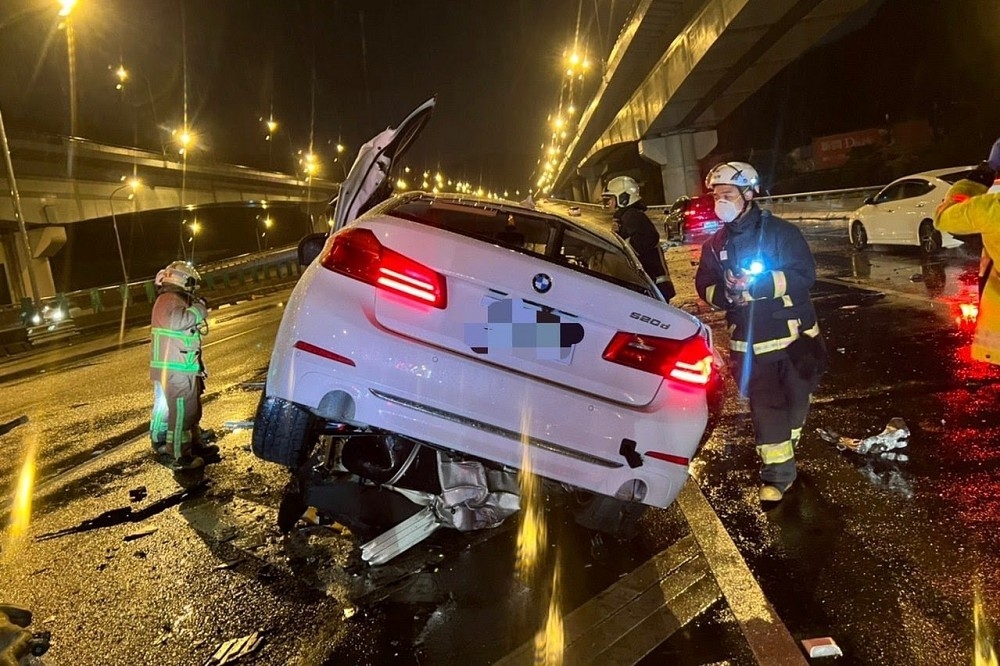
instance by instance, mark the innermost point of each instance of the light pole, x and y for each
(66, 13)
(134, 184)
(15, 198)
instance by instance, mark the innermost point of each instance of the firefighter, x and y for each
(969, 209)
(759, 269)
(177, 326)
(628, 211)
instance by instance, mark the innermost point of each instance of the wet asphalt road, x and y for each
(881, 555)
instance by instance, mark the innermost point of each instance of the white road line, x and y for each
(767, 635)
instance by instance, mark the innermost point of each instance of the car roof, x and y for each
(935, 173)
(506, 205)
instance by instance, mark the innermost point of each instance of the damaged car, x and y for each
(436, 344)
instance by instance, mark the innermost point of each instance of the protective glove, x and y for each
(736, 287)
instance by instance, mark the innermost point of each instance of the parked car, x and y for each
(691, 216)
(442, 330)
(902, 213)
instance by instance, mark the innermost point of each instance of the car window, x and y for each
(955, 176)
(547, 238)
(916, 188)
(890, 193)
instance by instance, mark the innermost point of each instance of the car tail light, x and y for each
(687, 361)
(357, 253)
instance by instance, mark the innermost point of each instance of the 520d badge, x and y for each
(653, 321)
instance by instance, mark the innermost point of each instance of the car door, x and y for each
(878, 214)
(367, 183)
(916, 206)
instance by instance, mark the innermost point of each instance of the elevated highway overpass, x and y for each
(678, 69)
(99, 187)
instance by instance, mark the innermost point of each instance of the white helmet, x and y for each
(623, 190)
(179, 274)
(740, 174)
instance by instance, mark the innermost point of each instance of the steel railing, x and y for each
(70, 312)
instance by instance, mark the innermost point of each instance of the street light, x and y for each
(134, 184)
(194, 227)
(65, 11)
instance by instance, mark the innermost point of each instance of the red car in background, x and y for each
(691, 216)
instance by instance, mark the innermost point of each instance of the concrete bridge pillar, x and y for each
(590, 178)
(44, 244)
(678, 155)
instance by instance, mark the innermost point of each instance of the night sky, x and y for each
(496, 66)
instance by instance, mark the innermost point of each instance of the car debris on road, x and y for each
(894, 436)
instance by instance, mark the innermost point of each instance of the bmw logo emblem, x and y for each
(541, 283)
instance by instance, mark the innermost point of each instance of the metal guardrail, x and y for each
(819, 205)
(67, 313)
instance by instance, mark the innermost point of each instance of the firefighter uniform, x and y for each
(177, 325)
(777, 354)
(636, 227)
(967, 210)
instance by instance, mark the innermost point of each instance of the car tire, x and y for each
(859, 235)
(681, 233)
(929, 237)
(283, 432)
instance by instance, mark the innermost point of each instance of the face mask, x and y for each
(726, 210)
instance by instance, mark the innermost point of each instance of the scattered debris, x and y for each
(238, 425)
(252, 385)
(236, 648)
(227, 565)
(894, 436)
(137, 494)
(848, 307)
(139, 535)
(822, 647)
(10, 425)
(349, 612)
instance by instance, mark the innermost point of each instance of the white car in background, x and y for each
(436, 330)
(902, 213)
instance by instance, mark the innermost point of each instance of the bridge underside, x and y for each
(725, 51)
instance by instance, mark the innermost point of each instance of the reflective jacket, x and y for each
(966, 210)
(779, 309)
(176, 326)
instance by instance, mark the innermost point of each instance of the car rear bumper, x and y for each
(401, 385)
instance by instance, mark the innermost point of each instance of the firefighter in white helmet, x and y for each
(621, 196)
(177, 325)
(759, 269)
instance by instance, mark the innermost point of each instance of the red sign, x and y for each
(833, 150)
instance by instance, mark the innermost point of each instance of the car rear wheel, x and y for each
(930, 238)
(859, 236)
(283, 432)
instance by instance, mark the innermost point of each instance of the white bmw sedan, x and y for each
(902, 213)
(488, 330)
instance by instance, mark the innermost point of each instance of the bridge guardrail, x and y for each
(819, 205)
(68, 313)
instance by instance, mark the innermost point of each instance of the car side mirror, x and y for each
(310, 247)
(870, 201)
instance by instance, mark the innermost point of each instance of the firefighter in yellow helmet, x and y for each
(969, 209)
(177, 325)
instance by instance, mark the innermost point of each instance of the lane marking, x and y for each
(628, 620)
(766, 634)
